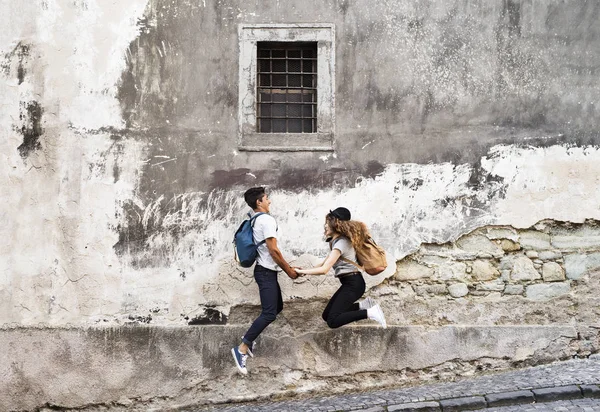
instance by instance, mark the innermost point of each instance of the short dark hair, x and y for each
(252, 195)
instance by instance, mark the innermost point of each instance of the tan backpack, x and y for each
(370, 257)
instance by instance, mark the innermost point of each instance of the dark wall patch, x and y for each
(211, 316)
(31, 117)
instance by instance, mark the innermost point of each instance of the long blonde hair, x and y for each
(354, 230)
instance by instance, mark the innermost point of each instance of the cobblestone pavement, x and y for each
(568, 379)
(578, 405)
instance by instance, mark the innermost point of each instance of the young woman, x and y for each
(344, 236)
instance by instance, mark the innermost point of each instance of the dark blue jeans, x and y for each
(342, 307)
(270, 301)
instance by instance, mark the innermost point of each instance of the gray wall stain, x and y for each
(31, 117)
(416, 83)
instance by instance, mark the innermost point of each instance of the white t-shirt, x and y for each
(264, 228)
(344, 245)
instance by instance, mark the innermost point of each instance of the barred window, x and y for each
(287, 87)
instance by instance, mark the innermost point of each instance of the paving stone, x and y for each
(557, 393)
(415, 407)
(470, 403)
(584, 372)
(510, 398)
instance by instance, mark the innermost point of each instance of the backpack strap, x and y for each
(252, 221)
(347, 260)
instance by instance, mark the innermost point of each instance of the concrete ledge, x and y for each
(76, 367)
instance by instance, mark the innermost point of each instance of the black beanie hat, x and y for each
(341, 213)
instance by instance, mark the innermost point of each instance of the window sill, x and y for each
(286, 142)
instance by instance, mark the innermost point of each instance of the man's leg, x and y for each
(343, 308)
(270, 300)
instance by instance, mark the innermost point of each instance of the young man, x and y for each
(268, 263)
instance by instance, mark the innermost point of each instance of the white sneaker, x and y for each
(367, 303)
(377, 315)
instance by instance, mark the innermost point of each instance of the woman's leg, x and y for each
(342, 308)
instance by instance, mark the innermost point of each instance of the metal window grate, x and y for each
(287, 87)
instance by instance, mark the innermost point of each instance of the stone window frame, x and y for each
(248, 137)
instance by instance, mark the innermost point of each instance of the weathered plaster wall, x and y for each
(122, 178)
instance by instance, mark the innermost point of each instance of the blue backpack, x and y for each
(243, 242)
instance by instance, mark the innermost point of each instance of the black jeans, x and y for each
(342, 307)
(270, 301)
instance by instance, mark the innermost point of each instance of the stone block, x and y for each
(545, 291)
(558, 393)
(458, 290)
(479, 245)
(577, 265)
(423, 290)
(411, 270)
(454, 270)
(415, 407)
(576, 242)
(484, 270)
(509, 246)
(531, 239)
(532, 254)
(514, 290)
(509, 398)
(523, 269)
(463, 404)
(590, 391)
(552, 272)
(494, 233)
(550, 255)
(493, 286)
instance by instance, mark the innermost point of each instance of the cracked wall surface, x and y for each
(466, 137)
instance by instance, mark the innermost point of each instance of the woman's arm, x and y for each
(333, 256)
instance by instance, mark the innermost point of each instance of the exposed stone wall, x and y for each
(500, 275)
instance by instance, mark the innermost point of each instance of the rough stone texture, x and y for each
(497, 286)
(431, 289)
(552, 272)
(577, 265)
(484, 270)
(187, 365)
(550, 255)
(514, 289)
(479, 245)
(458, 290)
(502, 233)
(547, 291)
(410, 270)
(523, 269)
(509, 246)
(451, 271)
(535, 240)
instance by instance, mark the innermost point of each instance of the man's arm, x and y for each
(278, 258)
